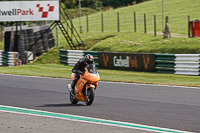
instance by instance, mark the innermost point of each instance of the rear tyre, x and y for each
(90, 96)
(73, 99)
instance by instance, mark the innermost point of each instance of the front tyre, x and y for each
(73, 99)
(90, 96)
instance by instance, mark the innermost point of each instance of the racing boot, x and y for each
(73, 86)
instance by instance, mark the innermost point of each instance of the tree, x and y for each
(95, 4)
(116, 3)
(69, 3)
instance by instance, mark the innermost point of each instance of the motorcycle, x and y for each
(85, 86)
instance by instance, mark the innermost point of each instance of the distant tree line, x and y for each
(96, 4)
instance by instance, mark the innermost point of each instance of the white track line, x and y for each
(25, 111)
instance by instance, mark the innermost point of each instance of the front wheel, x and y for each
(73, 99)
(90, 96)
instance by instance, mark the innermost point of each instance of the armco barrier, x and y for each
(9, 58)
(63, 56)
(74, 56)
(70, 57)
(1, 58)
(187, 64)
(165, 63)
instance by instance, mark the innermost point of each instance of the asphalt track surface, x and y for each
(154, 105)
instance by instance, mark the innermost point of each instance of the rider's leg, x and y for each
(75, 81)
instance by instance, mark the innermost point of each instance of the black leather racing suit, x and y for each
(78, 69)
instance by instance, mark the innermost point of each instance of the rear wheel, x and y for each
(90, 96)
(73, 99)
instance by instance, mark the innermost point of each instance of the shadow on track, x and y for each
(62, 105)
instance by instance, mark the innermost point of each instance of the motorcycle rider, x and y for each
(79, 68)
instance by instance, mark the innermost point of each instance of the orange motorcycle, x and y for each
(85, 86)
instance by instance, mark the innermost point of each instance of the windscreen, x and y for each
(91, 68)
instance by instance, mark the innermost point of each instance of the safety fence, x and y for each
(187, 64)
(9, 58)
(135, 22)
(165, 63)
(70, 57)
(1, 60)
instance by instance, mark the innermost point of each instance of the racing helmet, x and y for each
(89, 59)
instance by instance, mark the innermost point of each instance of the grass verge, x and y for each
(63, 71)
(1, 45)
(147, 43)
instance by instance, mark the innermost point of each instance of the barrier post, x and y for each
(102, 26)
(189, 26)
(135, 27)
(118, 24)
(87, 23)
(145, 25)
(155, 25)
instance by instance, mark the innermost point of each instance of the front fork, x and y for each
(87, 87)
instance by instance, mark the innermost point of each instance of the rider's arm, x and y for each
(79, 67)
(76, 68)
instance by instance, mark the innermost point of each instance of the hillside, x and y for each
(177, 11)
(129, 41)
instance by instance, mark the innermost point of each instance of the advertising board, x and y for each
(127, 61)
(29, 10)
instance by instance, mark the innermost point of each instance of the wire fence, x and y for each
(132, 22)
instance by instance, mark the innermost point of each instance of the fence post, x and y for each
(155, 25)
(118, 25)
(72, 30)
(189, 26)
(102, 26)
(135, 28)
(87, 23)
(57, 35)
(145, 25)
(0, 33)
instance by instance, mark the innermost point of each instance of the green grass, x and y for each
(52, 56)
(63, 71)
(138, 42)
(1, 45)
(177, 11)
(147, 43)
(127, 41)
(74, 13)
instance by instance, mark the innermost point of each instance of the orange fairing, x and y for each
(91, 77)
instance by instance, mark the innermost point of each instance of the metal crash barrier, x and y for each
(186, 64)
(9, 58)
(70, 57)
